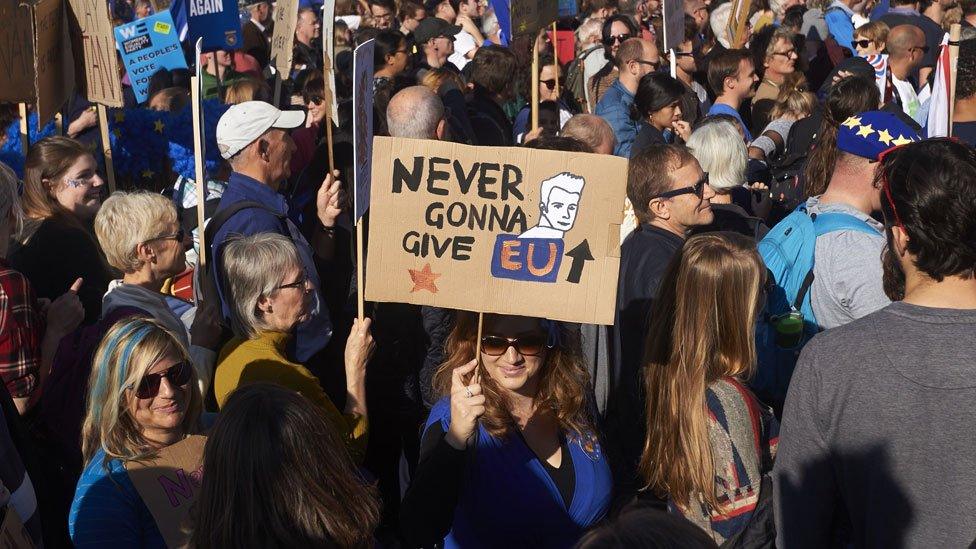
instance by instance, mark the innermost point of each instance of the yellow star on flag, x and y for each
(119, 117)
(901, 141)
(865, 130)
(885, 137)
(147, 173)
(852, 121)
(159, 126)
(118, 133)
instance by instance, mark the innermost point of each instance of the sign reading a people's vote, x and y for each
(501, 230)
(217, 22)
(148, 45)
(362, 125)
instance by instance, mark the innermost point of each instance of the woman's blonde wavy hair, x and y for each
(702, 329)
(130, 348)
(561, 388)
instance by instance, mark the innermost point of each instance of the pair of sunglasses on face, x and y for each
(178, 376)
(528, 345)
(698, 189)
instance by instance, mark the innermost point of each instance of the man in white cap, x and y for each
(253, 137)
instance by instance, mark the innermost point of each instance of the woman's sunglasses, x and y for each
(549, 84)
(861, 43)
(178, 375)
(528, 345)
(616, 38)
(178, 236)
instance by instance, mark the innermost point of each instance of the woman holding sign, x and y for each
(509, 456)
(142, 397)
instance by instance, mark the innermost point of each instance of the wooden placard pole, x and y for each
(535, 84)
(59, 124)
(277, 90)
(673, 58)
(24, 132)
(199, 175)
(555, 56)
(106, 147)
(954, 32)
(477, 349)
(360, 290)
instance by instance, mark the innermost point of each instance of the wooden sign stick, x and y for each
(277, 90)
(199, 176)
(360, 290)
(954, 32)
(555, 57)
(59, 124)
(535, 84)
(106, 147)
(24, 132)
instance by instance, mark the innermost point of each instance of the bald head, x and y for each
(904, 39)
(416, 112)
(592, 130)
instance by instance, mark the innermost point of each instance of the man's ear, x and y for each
(729, 83)
(441, 130)
(543, 208)
(263, 147)
(660, 208)
(900, 238)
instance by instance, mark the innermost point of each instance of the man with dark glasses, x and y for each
(670, 195)
(906, 55)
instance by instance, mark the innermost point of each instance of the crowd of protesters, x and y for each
(792, 361)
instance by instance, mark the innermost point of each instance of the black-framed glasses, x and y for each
(925, 49)
(302, 283)
(528, 345)
(684, 54)
(177, 236)
(549, 84)
(698, 189)
(616, 38)
(177, 374)
(654, 64)
(787, 54)
(861, 43)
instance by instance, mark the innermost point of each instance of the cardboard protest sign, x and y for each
(328, 55)
(217, 22)
(738, 19)
(674, 23)
(362, 125)
(283, 39)
(148, 45)
(16, 53)
(93, 44)
(54, 71)
(13, 533)
(170, 484)
(501, 230)
(528, 16)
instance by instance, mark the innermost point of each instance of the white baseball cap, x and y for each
(247, 121)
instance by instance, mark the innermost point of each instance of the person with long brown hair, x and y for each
(509, 454)
(709, 441)
(300, 487)
(62, 193)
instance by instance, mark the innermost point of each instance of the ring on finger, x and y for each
(468, 392)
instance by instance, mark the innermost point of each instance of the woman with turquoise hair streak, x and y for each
(142, 397)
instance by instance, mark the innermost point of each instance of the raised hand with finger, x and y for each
(467, 405)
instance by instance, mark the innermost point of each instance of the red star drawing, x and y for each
(424, 279)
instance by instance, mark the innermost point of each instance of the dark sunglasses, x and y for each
(698, 189)
(177, 236)
(528, 345)
(861, 43)
(684, 53)
(616, 38)
(925, 49)
(550, 84)
(178, 375)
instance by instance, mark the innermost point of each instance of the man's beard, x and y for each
(893, 277)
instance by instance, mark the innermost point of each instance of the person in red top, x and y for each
(30, 329)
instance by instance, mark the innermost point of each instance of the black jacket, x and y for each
(647, 136)
(256, 43)
(489, 122)
(644, 258)
(733, 218)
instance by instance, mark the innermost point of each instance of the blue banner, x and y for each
(148, 45)
(218, 22)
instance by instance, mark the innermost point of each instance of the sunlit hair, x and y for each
(126, 220)
(702, 328)
(561, 388)
(794, 98)
(47, 162)
(278, 475)
(130, 349)
(10, 200)
(719, 149)
(253, 267)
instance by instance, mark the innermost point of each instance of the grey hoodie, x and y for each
(120, 294)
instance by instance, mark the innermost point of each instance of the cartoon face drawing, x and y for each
(559, 198)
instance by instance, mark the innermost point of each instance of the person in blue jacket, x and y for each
(143, 396)
(509, 455)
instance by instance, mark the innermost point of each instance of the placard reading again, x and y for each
(500, 230)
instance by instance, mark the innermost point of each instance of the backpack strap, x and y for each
(828, 223)
(221, 217)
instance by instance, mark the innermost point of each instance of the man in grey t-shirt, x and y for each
(877, 440)
(847, 263)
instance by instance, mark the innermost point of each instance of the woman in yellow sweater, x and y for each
(270, 295)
